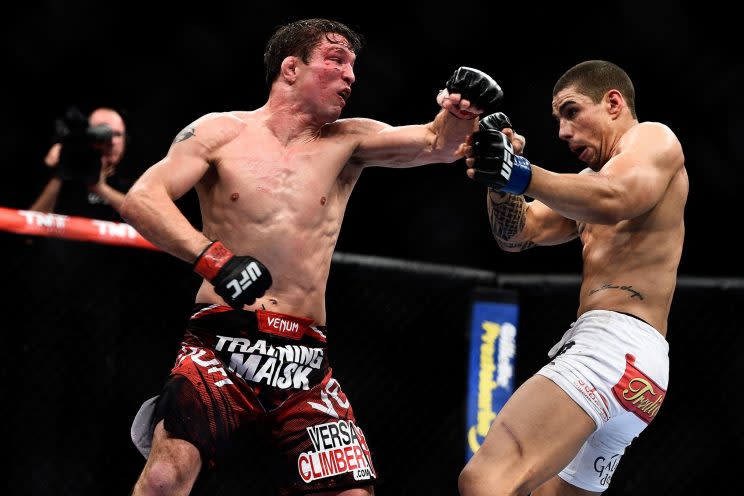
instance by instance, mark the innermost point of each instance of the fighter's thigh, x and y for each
(178, 457)
(558, 487)
(538, 432)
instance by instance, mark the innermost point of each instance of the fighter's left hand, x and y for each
(457, 105)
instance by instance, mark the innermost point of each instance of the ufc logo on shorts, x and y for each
(249, 275)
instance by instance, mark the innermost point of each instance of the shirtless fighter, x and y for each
(564, 430)
(273, 185)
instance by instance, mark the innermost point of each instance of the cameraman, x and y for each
(84, 161)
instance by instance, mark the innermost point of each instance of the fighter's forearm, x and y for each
(156, 217)
(508, 214)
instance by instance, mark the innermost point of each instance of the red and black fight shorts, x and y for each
(271, 370)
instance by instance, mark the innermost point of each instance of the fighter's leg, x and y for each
(558, 487)
(536, 434)
(171, 468)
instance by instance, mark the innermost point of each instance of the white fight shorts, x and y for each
(616, 367)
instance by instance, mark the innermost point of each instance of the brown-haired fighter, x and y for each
(564, 430)
(273, 184)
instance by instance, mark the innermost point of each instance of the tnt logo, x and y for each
(249, 275)
(114, 229)
(53, 221)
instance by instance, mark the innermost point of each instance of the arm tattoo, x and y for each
(187, 133)
(507, 214)
(629, 289)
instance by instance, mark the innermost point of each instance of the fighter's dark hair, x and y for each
(299, 38)
(595, 78)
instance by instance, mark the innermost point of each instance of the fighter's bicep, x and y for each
(388, 146)
(177, 173)
(192, 152)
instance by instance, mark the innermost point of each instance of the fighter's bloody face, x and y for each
(326, 82)
(581, 123)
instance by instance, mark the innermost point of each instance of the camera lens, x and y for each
(100, 133)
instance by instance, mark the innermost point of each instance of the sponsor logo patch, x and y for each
(338, 448)
(637, 393)
(605, 467)
(597, 399)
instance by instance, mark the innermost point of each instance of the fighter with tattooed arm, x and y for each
(565, 429)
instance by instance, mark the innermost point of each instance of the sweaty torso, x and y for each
(631, 266)
(282, 204)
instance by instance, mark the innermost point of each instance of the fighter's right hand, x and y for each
(239, 280)
(476, 87)
(493, 160)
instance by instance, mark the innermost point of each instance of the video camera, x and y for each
(82, 146)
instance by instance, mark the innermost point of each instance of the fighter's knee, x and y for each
(163, 478)
(477, 480)
(466, 482)
(474, 480)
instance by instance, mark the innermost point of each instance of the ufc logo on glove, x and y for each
(249, 275)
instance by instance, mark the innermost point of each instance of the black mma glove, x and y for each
(496, 165)
(476, 86)
(498, 121)
(239, 280)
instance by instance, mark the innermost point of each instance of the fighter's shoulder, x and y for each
(223, 122)
(215, 128)
(655, 136)
(358, 126)
(653, 130)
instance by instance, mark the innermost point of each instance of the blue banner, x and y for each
(493, 333)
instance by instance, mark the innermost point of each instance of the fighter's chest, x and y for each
(273, 170)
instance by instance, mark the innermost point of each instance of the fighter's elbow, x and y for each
(131, 205)
(513, 246)
(126, 209)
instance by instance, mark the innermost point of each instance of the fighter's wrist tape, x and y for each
(211, 260)
(520, 176)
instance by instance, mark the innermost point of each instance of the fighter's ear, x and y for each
(614, 102)
(289, 68)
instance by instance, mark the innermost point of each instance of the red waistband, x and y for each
(286, 326)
